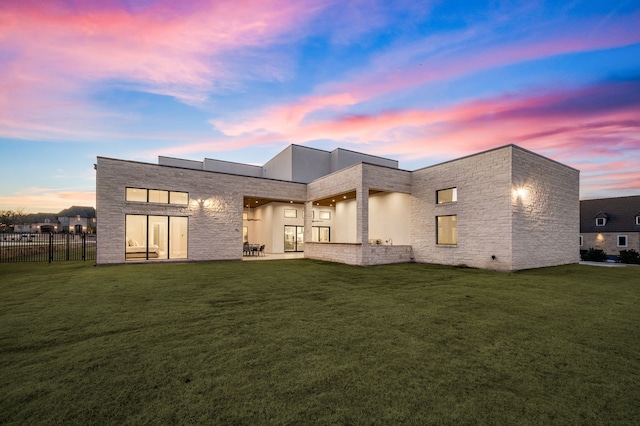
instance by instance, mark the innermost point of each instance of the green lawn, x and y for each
(306, 342)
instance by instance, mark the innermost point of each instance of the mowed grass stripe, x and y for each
(300, 341)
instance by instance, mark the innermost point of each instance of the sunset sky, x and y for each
(418, 81)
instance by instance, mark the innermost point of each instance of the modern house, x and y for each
(505, 209)
(74, 220)
(610, 224)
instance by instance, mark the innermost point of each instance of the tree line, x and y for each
(8, 218)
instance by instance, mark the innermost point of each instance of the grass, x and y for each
(305, 342)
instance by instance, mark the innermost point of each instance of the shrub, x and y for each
(629, 256)
(595, 255)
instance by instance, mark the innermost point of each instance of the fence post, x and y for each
(84, 246)
(50, 247)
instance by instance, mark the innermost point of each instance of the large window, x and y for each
(447, 229)
(142, 195)
(447, 195)
(321, 234)
(156, 237)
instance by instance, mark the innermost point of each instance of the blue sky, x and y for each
(420, 82)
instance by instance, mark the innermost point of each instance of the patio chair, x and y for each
(246, 249)
(261, 250)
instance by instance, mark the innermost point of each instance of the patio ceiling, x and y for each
(324, 202)
(260, 201)
(331, 201)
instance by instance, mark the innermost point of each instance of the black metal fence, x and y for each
(25, 247)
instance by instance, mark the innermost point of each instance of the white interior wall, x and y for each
(279, 222)
(316, 221)
(269, 230)
(345, 222)
(389, 218)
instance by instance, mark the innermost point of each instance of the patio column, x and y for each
(362, 215)
(308, 221)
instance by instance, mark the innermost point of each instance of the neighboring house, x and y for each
(610, 224)
(504, 209)
(38, 222)
(78, 220)
(75, 219)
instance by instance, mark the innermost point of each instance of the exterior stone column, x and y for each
(308, 221)
(362, 215)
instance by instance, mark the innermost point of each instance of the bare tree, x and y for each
(9, 218)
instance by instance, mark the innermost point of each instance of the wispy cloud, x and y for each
(54, 55)
(59, 57)
(47, 200)
(436, 59)
(576, 126)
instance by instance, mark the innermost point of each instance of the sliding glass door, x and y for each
(156, 237)
(293, 238)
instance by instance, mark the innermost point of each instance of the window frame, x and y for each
(148, 197)
(159, 193)
(626, 240)
(438, 234)
(291, 213)
(147, 235)
(315, 232)
(603, 219)
(581, 241)
(454, 195)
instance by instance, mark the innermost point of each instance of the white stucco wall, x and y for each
(345, 230)
(389, 217)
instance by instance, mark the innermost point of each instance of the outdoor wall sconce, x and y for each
(520, 192)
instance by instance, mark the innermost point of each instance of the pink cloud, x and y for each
(600, 139)
(54, 54)
(52, 200)
(436, 59)
(284, 117)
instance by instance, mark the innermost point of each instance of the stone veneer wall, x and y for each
(373, 254)
(546, 216)
(358, 254)
(483, 210)
(496, 228)
(608, 241)
(348, 253)
(345, 180)
(215, 226)
(360, 177)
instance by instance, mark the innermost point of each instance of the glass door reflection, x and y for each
(293, 238)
